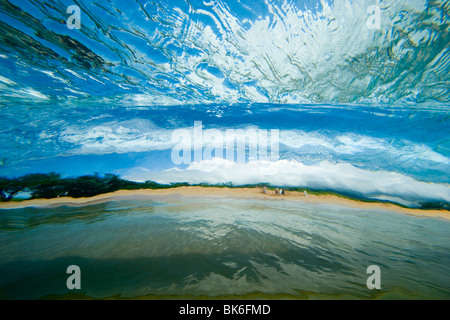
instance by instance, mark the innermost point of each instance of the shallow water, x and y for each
(360, 111)
(206, 247)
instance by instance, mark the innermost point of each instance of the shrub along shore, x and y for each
(52, 185)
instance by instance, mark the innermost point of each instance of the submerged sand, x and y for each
(245, 193)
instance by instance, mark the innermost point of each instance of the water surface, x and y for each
(209, 247)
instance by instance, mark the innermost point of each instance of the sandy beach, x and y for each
(246, 193)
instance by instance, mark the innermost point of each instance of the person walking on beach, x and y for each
(277, 191)
(306, 194)
(265, 190)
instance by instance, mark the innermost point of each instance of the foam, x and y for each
(140, 135)
(135, 135)
(352, 143)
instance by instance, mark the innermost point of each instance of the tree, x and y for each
(48, 185)
(9, 188)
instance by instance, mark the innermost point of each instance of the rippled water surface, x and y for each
(226, 51)
(216, 247)
(360, 111)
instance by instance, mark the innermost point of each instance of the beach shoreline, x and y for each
(243, 193)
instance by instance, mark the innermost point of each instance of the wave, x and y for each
(137, 135)
(340, 177)
(183, 52)
(310, 147)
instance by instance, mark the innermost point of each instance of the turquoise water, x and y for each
(360, 111)
(206, 247)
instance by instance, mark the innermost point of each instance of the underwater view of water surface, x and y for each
(342, 97)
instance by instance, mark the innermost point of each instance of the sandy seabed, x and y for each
(241, 193)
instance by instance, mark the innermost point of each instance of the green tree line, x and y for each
(52, 185)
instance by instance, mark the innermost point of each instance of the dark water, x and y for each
(359, 110)
(221, 247)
